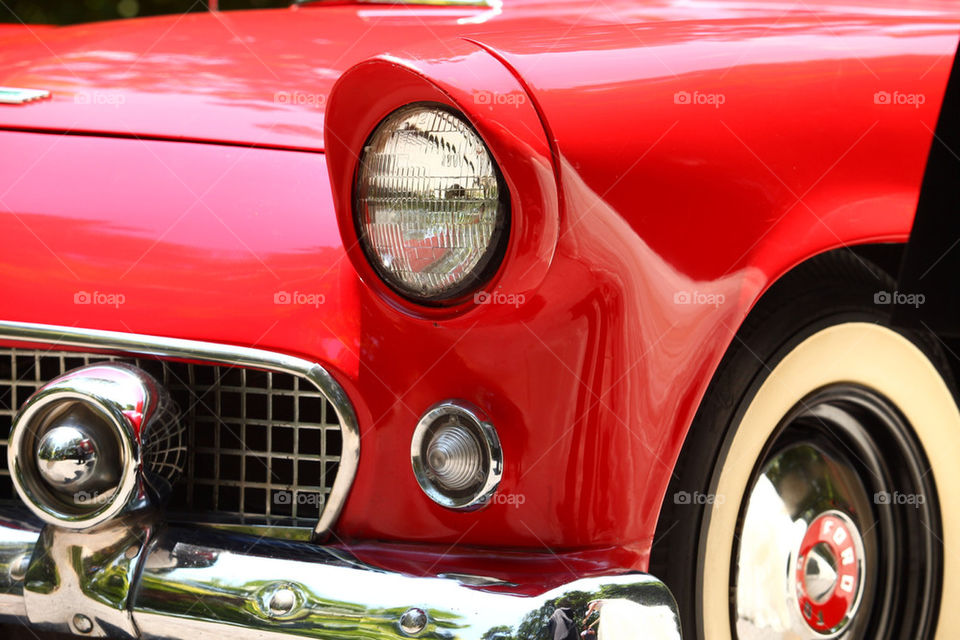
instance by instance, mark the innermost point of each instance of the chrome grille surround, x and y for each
(263, 391)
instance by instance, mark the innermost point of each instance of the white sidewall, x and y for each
(869, 355)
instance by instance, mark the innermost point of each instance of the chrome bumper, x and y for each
(136, 582)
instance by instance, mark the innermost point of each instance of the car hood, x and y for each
(262, 77)
(251, 77)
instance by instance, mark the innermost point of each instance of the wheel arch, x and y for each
(875, 261)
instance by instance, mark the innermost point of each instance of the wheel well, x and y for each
(931, 262)
(837, 286)
(889, 257)
(886, 256)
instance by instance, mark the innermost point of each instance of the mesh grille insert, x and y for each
(262, 447)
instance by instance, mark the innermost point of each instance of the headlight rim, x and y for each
(494, 258)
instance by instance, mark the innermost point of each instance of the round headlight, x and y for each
(456, 456)
(432, 211)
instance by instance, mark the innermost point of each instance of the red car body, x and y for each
(666, 162)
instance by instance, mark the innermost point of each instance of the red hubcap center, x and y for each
(828, 572)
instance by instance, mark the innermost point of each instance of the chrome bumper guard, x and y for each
(132, 580)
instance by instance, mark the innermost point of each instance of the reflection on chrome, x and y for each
(17, 540)
(616, 619)
(131, 578)
(82, 579)
(768, 540)
(332, 596)
(794, 500)
(93, 443)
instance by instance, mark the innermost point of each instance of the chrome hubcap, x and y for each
(821, 552)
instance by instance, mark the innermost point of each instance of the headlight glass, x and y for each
(431, 209)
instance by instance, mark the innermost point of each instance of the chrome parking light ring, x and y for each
(457, 430)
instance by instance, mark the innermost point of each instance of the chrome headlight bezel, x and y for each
(485, 267)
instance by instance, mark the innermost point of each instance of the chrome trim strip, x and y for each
(301, 534)
(202, 585)
(16, 95)
(213, 353)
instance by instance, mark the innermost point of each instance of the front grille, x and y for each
(263, 447)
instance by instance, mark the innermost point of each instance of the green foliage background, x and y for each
(74, 11)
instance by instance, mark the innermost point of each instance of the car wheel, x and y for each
(805, 503)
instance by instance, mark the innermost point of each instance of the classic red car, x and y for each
(453, 320)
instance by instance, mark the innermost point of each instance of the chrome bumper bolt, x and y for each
(18, 567)
(282, 602)
(82, 624)
(413, 621)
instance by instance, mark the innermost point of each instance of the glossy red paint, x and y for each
(197, 239)
(672, 214)
(253, 78)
